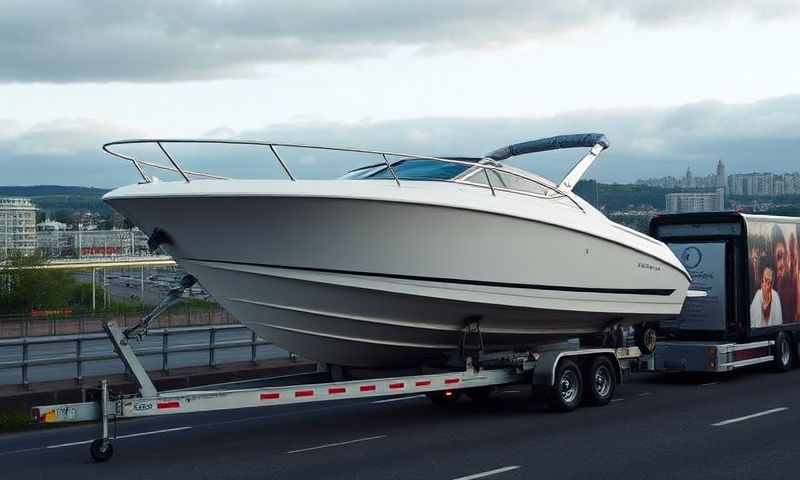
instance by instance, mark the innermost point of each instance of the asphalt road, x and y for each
(741, 426)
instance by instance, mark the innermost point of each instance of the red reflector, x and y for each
(367, 388)
(168, 405)
(397, 385)
(304, 393)
(270, 396)
(423, 383)
(450, 381)
(335, 390)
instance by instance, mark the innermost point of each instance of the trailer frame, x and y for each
(476, 380)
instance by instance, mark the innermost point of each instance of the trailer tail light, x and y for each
(165, 405)
(451, 381)
(270, 396)
(336, 390)
(304, 393)
(395, 386)
(423, 383)
(367, 388)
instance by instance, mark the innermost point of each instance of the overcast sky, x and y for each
(673, 83)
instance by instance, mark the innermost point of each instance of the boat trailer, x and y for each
(559, 372)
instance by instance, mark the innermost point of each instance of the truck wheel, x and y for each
(101, 450)
(783, 352)
(443, 399)
(600, 382)
(566, 393)
(645, 338)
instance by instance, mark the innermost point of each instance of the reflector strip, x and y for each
(304, 393)
(367, 388)
(397, 385)
(450, 381)
(423, 383)
(270, 396)
(168, 405)
(335, 390)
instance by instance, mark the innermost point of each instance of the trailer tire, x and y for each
(567, 390)
(784, 354)
(101, 450)
(444, 398)
(600, 382)
(645, 337)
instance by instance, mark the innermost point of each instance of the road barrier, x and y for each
(12, 326)
(79, 359)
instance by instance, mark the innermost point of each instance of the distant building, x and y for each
(696, 201)
(56, 243)
(722, 179)
(17, 226)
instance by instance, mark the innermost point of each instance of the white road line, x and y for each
(130, 435)
(748, 417)
(328, 445)
(488, 473)
(71, 444)
(617, 399)
(644, 394)
(397, 399)
(142, 434)
(709, 384)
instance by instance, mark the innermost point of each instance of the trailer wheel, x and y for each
(445, 398)
(600, 382)
(783, 352)
(102, 450)
(479, 395)
(566, 393)
(645, 338)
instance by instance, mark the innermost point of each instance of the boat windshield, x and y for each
(413, 169)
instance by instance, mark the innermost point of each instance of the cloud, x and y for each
(759, 136)
(155, 41)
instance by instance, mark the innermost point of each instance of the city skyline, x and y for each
(454, 78)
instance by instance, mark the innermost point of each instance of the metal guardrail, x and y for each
(164, 349)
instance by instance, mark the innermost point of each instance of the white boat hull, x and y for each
(365, 280)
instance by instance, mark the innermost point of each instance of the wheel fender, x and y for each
(544, 372)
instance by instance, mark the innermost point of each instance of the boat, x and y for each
(396, 263)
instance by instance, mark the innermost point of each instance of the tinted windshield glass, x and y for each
(416, 170)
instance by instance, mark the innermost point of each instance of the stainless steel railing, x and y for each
(174, 166)
(79, 359)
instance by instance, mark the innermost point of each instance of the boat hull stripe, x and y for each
(458, 281)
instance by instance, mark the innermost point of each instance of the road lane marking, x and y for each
(154, 432)
(337, 444)
(488, 473)
(644, 394)
(709, 384)
(397, 399)
(748, 417)
(130, 435)
(617, 399)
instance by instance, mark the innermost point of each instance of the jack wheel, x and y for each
(102, 450)
(601, 381)
(445, 398)
(566, 393)
(783, 352)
